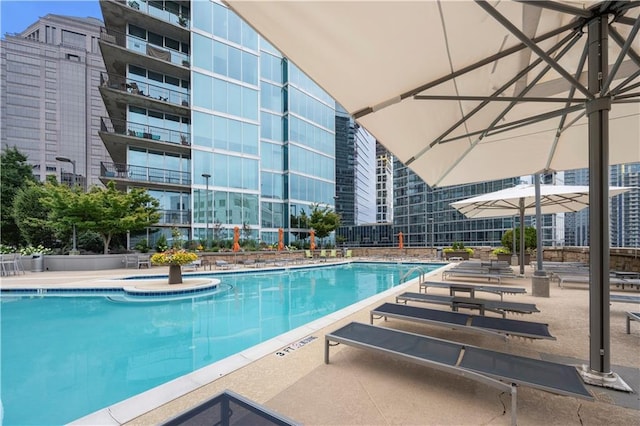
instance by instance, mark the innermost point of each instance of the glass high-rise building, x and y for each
(50, 104)
(624, 209)
(211, 118)
(355, 171)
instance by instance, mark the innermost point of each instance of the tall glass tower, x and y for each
(212, 119)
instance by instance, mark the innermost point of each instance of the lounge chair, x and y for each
(497, 369)
(223, 264)
(229, 408)
(333, 254)
(193, 265)
(308, 254)
(323, 255)
(472, 288)
(348, 254)
(481, 305)
(487, 325)
(624, 298)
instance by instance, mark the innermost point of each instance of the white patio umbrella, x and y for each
(465, 91)
(521, 200)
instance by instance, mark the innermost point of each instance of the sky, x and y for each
(17, 15)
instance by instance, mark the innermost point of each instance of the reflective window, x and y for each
(203, 97)
(202, 48)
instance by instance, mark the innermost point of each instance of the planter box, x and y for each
(504, 257)
(461, 254)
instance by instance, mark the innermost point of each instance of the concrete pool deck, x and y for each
(362, 388)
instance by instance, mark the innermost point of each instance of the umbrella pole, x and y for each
(521, 236)
(599, 371)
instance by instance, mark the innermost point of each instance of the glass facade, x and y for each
(261, 129)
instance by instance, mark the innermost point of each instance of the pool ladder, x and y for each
(420, 269)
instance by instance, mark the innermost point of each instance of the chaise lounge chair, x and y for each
(471, 288)
(481, 305)
(500, 327)
(229, 408)
(497, 369)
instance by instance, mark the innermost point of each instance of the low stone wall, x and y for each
(622, 259)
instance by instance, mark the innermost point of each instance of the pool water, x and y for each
(65, 357)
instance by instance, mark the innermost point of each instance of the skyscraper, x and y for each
(355, 171)
(212, 119)
(50, 104)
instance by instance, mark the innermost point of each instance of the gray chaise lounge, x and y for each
(500, 370)
(500, 327)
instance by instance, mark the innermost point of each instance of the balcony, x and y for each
(120, 49)
(118, 134)
(174, 217)
(118, 91)
(155, 14)
(127, 175)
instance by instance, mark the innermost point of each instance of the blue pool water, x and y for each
(65, 357)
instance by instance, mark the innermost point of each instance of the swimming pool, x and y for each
(65, 357)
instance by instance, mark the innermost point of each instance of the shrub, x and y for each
(501, 250)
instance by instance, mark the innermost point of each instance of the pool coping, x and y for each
(137, 405)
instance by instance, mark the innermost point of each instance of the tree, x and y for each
(31, 215)
(106, 211)
(530, 239)
(323, 220)
(14, 174)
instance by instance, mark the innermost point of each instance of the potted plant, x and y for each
(175, 258)
(458, 249)
(503, 254)
(182, 20)
(530, 241)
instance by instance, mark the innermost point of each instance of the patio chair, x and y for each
(348, 254)
(333, 254)
(130, 260)
(308, 254)
(323, 255)
(144, 260)
(8, 264)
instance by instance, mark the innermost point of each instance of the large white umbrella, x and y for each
(466, 91)
(521, 200)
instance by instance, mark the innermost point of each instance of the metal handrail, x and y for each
(136, 44)
(144, 131)
(138, 87)
(412, 270)
(144, 174)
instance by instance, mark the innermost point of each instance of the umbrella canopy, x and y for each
(452, 90)
(400, 240)
(280, 239)
(507, 202)
(521, 200)
(474, 91)
(312, 239)
(236, 239)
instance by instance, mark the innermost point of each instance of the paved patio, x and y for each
(362, 388)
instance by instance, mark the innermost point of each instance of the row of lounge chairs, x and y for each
(497, 369)
(578, 273)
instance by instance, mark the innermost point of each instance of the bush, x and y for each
(161, 244)
(142, 246)
(501, 250)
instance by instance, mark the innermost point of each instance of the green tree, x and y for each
(106, 211)
(31, 215)
(15, 173)
(530, 239)
(323, 220)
